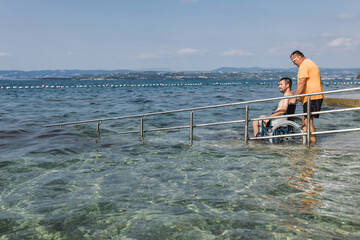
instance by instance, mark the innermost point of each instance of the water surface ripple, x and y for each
(71, 183)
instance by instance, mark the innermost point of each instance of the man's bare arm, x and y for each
(280, 110)
(301, 86)
(300, 89)
(282, 107)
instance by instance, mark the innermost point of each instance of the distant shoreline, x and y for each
(262, 74)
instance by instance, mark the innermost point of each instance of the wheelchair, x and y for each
(283, 127)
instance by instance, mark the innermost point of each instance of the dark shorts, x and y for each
(315, 106)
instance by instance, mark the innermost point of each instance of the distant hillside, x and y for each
(252, 69)
(294, 69)
(14, 74)
(221, 73)
(339, 70)
(233, 69)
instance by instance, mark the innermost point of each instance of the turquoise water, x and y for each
(71, 183)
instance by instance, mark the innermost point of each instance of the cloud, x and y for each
(190, 51)
(346, 16)
(62, 54)
(323, 35)
(237, 52)
(5, 54)
(342, 42)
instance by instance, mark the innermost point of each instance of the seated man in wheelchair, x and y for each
(282, 108)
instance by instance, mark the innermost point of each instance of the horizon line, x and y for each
(170, 70)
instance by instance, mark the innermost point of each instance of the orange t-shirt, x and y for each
(309, 70)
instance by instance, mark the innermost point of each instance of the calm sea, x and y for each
(71, 183)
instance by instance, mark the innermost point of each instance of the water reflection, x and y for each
(306, 199)
(72, 183)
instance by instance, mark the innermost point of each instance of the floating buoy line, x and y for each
(163, 85)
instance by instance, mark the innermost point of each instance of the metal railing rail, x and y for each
(197, 108)
(308, 118)
(191, 126)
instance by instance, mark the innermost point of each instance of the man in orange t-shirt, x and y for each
(309, 81)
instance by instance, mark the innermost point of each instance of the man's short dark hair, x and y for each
(287, 81)
(297, 53)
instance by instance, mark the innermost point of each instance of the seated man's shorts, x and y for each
(315, 106)
(268, 124)
(273, 122)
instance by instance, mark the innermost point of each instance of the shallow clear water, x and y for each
(70, 183)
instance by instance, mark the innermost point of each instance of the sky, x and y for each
(177, 35)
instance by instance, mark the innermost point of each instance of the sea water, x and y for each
(72, 183)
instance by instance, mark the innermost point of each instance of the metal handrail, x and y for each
(191, 126)
(199, 108)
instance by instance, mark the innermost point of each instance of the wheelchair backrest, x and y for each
(290, 110)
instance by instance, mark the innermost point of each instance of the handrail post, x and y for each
(191, 127)
(98, 127)
(142, 129)
(247, 123)
(308, 116)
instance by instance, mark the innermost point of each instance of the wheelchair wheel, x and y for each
(284, 128)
